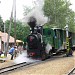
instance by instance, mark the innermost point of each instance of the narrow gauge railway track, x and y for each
(24, 64)
(12, 67)
(72, 72)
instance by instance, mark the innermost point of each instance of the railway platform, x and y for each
(2, 60)
(5, 62)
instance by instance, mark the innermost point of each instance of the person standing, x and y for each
(1, 52)
(11, 52)
(15, 52)
(70, 46)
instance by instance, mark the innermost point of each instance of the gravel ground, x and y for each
(7, 63)
(54, 67)
(58, 66)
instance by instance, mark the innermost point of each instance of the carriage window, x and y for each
(46, 32)
(49, 32)
(55, 33)
(43, 31)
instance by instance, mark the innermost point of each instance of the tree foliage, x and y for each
(59, 13)
(21, 30)
(1, 24)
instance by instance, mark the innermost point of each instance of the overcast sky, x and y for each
(6, 7)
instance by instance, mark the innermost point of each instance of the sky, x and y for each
(73, 5)
(6, 7)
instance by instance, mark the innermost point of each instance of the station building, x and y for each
(3, 40)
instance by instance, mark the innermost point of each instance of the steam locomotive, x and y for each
(44, 42)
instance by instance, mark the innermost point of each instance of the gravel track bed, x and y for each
(54, 67)
(6, 64)
(58, 66)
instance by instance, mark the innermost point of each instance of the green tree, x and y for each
(21, 30)
(59, 12)
(1, 24)
(71, 21)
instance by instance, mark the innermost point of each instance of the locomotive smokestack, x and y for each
(32, 23)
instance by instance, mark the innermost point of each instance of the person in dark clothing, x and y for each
(1, 52)
(70, 45)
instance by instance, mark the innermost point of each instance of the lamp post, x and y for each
(7, 45)
(4, 36)
(67, 40)
(14, 1)
(67, 34)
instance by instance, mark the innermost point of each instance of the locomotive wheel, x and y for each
(43, 56)
(50, 53)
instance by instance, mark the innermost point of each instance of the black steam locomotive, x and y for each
(36, 46)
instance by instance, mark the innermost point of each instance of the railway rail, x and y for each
(72, 72)
(10, 68)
